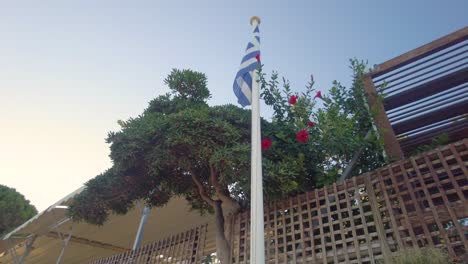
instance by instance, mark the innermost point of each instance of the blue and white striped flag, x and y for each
(250, 62)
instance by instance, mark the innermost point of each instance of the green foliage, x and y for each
(188, 84)
(14, 209)
(341, 126)
(209, 259)
(440, 140)
(343, 123)
(428, 255)
(179, 142)
(157, 154)
(278, 99)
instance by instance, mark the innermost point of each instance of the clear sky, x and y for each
(70, 69)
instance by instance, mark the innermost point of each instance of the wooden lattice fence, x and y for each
(183, 248)
(417, 202)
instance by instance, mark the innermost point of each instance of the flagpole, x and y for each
(257, 244)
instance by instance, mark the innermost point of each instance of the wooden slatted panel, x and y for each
(318, 223)
(378, 213)
(304, 235)
(308, 225)
(417, 202)
(342, 229)
(390, 223)
(275, 226)
(330, 225)
(241, 240)
(186, 247)
(356, 257)
(269, 238)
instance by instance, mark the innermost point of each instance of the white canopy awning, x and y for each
(89, 241)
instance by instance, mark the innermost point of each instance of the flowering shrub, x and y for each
(327, 136)
(302, 135)
(318, 95)
(293, 99)
(266, 143)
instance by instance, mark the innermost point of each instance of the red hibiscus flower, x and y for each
(293, 99)
(302, 135)
(266, 143)
(318, 95)
(257, 57)
(311, 124)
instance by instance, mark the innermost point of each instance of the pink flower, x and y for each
(293, 99)
(311, 124)
(266, 143)
(318, 95)
(257, 57)
(302, 135)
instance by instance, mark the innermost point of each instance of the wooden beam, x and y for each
(392, 147)
(413, 55)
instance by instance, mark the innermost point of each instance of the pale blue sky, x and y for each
(70, 69)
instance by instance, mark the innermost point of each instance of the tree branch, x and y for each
(201, 190)
(222, 192)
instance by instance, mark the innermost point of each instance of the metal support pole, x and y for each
(65, 239)
(257, 231)
(353, 161)
(65, 242)
(139, 235)
(28, 248)
(12, 252)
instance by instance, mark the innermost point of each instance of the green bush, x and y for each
(421, 256)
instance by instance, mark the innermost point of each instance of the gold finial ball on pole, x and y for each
(253, 19)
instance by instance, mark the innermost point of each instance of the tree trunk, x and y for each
(223, 246)
(225, 208)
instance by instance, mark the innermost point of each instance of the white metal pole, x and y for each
(139, 234)
(12, 250)
(257, 246)
(65, 242)
(28, 249)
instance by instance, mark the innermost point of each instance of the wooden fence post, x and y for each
(377, 218)
(392, 146)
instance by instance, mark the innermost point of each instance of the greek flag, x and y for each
(250, 62)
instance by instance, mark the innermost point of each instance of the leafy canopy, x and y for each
(181, 146)
(14, 209)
